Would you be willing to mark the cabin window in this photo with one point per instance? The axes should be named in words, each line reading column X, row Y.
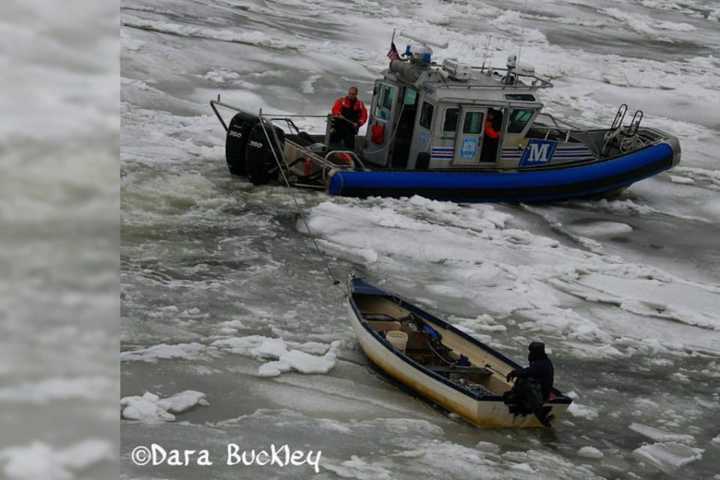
column 388, row 98
column 519, row 120
column 473, row 122
column 525, row 97
column 451, row 120
column 386, row 101
column 410, row 96
column 426, row 114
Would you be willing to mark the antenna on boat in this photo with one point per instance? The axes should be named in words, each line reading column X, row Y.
column 486, row 55
column 522, row 34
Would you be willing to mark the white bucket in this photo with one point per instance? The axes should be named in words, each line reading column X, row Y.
column 397, row 339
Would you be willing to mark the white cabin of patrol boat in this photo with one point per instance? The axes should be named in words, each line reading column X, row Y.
column 426, row 116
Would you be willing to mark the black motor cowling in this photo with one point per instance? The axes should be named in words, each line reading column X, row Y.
column 261, row 165
column 236, row 141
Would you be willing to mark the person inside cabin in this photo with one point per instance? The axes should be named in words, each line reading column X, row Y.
column 533, row 384
column 492, row 136
column 349, row 114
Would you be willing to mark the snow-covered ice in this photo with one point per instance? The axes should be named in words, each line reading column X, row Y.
column 150, row 408
column 41, row 461
column 186, row 351
column 56, row 389
column 668, row 456
column 582, row 411
column 590, row 452
column 661, row 435
column 285, row 360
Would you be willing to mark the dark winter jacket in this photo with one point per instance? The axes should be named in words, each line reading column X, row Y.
column 541, row 370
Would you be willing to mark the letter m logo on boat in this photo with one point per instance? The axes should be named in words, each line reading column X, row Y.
column 538, row 152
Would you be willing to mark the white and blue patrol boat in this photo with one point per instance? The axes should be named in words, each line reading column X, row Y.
column 430, row 132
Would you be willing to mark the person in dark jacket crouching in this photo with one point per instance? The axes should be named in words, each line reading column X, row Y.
column 533, row 385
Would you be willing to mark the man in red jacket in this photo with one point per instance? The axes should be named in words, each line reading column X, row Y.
column 492, row 136
column 349, row 114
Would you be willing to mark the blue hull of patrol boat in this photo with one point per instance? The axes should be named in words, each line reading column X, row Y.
column 541, row 185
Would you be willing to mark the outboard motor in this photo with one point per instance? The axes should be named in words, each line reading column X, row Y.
column 261, row 164
column 236, row 140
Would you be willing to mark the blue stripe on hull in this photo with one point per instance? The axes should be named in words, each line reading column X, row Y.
column 528, row 186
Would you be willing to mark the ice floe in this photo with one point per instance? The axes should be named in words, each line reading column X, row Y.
column 230, row 327
column 658, row 435
column 681, row 180
column 54, row 389
column 226, row 35
column 475, row 249
column 590, row 452
column 646, row 25
column 582, row 411
column 449, row 460
column 668, row 456
column 307, row 357
column 698, row 174
column 284, row 359
column 488, row 447
column 185, row 351
column 602, row 229
column 308, row 86
column 360, row 469
column 314, row 348
column 151, row 408
column 41, row 461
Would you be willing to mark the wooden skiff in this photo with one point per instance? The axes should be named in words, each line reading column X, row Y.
column 429, row 366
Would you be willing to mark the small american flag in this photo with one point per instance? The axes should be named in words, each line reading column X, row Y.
column 393, row 52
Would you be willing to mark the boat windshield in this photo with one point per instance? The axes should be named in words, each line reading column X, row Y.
column 519, row 119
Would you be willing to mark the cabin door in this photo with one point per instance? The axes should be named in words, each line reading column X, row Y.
column 380, row 125
column 400, row 150
column 469, row 138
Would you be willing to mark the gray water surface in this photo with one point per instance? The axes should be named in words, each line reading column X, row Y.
column 619, row 290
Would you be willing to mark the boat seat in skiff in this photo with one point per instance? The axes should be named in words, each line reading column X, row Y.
column 384, row 326
column 482, row 371
column 399, row 316
column 477, row 376
column 378, row 317
column 416, row 340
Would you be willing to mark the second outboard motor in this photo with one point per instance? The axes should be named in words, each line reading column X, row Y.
column 262, row 167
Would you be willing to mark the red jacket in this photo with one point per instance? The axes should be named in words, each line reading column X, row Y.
column 490, row 130
column 357, row 113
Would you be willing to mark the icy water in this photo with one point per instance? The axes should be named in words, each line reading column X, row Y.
column 219, row 279
column 59, row 231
